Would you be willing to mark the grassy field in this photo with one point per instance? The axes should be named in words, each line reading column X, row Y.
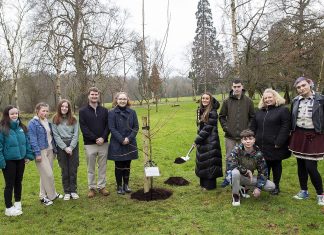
column 188, row 211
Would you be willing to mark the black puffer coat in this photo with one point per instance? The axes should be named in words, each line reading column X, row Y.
column 208, row 155
column 271, row 127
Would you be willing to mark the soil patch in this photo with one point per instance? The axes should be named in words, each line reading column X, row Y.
column 153, row 195
column 179, row 181
column 179, row 160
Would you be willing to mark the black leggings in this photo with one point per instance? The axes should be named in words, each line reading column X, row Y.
column 13, row 175
column 276, row 167
column 122, row 171
column 309, row 167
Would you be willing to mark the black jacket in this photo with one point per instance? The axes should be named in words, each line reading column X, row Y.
column 317, row 113
column 272, row 127
column 93, row 124
column 122, row 124
column 208, row 155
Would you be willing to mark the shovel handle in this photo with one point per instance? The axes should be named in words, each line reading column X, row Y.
column 190, row 150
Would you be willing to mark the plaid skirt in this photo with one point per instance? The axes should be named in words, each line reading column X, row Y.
column 307, row 144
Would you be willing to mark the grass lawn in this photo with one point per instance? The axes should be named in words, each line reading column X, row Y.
column 188, row 211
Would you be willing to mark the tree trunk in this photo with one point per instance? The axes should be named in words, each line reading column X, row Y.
column 146, row 151
column 234, row 39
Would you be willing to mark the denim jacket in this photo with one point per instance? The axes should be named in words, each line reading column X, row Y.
column 38, row 137
column 317, row 113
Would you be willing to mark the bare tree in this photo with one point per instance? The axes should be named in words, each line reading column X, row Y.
column 15, row 38
column 87, row 23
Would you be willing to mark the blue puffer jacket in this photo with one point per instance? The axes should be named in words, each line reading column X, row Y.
column 38, row 137
column 14, row 145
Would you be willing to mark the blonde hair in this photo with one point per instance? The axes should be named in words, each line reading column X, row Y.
column 278, row 99
column 114, row 103
column 40, row 105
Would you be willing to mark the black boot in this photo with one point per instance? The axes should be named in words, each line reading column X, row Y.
column 127, row 188
column 126, row 174
column 276, row 191
column 120, row 190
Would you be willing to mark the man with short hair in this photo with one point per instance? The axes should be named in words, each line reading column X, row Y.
column 94, row 126
column 243, row 161
column 235, row 116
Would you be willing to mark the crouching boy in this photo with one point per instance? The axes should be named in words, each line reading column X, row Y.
column 244, row 160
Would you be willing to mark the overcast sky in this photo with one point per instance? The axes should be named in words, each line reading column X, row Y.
column 182, row 25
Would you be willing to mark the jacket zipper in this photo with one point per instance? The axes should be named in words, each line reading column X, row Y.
column 263, row 126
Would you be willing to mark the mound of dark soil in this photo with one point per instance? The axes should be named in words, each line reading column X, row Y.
column 153, row 195
column 179, row 181
column 179, row 160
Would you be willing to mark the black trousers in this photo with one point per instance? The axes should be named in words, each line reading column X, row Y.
column 13, row 175
column 208, row 184
column 276, row 167
column 122, row 172
column 69, row 168
column 309, row 167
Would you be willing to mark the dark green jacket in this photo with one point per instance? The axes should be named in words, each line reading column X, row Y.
column 14, row 145
column 236, row 115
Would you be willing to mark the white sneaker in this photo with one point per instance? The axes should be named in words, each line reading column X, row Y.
column 236, row 200
column 17, row 205
column 46, row 201
column 66, row 197
column 320, row 200
column 59, row 196
column 12, row 211
column 75, row 196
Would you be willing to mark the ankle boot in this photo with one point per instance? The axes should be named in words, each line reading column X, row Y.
column 120, row 190
column 276, row 191
column 127, row 188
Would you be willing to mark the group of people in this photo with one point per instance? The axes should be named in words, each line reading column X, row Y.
column 44, row 139
column 260, row 140
column 254, row 141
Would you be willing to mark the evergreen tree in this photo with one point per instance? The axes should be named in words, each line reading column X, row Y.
column 207, row 52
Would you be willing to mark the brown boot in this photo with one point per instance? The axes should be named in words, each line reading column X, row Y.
column 91, row 193
column 104, row 191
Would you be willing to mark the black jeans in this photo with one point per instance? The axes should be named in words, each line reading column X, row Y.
column 13, row 175
column 122, row 171
column 309, row 167
column 276, row 167
column 69, row 168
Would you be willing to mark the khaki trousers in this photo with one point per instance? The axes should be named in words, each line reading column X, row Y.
column 45, row 169
column 96, row 154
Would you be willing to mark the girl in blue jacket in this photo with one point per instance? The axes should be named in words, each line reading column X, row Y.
column 15, row 151
column 123, row 126
column 43, row 144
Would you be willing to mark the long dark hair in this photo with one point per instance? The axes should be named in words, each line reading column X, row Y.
column 5, row 120
column 205, row 110
column 58, row 117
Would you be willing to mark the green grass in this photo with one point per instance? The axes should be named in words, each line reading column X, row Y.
column 188, row 211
